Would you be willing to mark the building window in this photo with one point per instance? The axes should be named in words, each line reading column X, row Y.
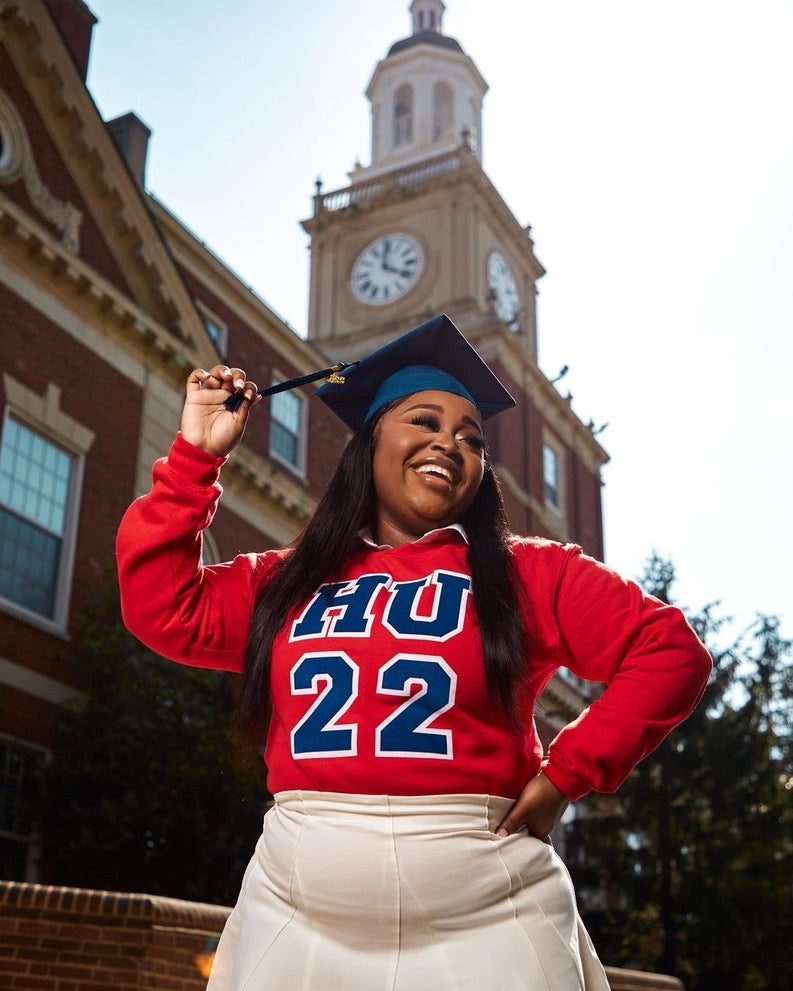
column 287, row 417
column 442, row 111
column 403, row 116
column 219, row 335
column 36, row 486
column 20, row 770
column 216, row 328
column 551, row 477
column 42, row 453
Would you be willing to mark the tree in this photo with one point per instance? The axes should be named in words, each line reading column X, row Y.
column 147, row 791
column 688, row 871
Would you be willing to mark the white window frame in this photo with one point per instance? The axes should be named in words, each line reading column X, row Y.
column 300, row 468
column 548, row 444
column 222, row 342
column 43, row 415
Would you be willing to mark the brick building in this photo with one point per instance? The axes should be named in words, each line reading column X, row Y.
column 107, row 301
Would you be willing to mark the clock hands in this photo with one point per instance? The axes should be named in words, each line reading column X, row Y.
column 386, row 252
column 404, row 272
column 386, row 269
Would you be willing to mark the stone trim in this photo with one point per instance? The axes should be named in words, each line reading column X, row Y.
column 18, row 161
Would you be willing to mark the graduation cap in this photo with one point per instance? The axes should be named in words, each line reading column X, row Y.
column 434, row 355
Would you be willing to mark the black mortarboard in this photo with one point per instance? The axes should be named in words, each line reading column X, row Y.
column 432, row 356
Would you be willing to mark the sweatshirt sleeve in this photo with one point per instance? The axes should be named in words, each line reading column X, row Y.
column 654, row 666
column 187, row 612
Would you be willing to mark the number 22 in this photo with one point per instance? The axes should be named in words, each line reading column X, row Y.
column 405, row 733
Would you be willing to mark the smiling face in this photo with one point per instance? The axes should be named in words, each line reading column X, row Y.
column 428, row 463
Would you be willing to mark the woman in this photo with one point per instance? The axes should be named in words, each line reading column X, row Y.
column 395, row 655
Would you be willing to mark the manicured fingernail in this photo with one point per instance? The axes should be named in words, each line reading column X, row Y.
column 502, row 832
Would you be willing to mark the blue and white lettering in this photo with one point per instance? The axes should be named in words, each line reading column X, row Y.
column 319, row 733
column 340, row 609
column 447, row 615
column 406, row 732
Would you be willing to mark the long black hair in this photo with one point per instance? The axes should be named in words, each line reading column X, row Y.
column 329, row 541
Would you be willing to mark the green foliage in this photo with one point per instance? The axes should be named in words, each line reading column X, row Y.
column 147, row 791
column 688, row 870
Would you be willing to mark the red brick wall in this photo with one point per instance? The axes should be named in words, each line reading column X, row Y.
column 69, row 939
column 516, row 439
column 28, row 718
column 37, row 352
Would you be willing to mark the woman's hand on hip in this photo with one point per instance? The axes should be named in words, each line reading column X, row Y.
column 539, row 807
column 206, row 423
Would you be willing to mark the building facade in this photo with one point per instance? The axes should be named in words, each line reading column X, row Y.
column 107, row 301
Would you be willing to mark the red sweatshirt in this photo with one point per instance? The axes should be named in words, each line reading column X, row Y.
column 378, row 683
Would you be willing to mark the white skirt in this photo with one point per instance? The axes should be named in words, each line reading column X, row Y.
column 382, row 893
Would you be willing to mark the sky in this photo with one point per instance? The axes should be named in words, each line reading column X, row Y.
column 648, row 144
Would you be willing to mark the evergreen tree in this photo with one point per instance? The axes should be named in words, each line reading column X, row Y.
column 147, row 791
column 688, row 869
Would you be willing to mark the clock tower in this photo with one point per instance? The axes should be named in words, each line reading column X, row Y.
column 422, row 230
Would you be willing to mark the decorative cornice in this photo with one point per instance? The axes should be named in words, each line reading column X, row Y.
column 18, row 161
column 81, row 136
column 417, row 179
column 562, row 699
column 400, row 59
column 35, row 249
column 273, row 482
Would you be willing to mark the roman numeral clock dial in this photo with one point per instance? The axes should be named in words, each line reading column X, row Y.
column 386, row 269
column 503, row 286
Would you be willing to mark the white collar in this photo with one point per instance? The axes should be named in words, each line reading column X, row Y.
column 430, row 537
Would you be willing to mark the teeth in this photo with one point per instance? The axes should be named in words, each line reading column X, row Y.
column 435, row 470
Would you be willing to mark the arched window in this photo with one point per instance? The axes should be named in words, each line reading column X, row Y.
column 403, row 116
column 442, row 110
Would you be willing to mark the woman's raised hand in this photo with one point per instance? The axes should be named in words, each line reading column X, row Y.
column 206, row 423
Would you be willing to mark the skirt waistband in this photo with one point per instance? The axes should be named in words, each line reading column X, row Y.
column 320, row 802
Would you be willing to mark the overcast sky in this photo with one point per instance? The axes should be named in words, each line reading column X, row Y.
column 650, row 146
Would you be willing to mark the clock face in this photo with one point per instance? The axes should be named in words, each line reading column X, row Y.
column 504, row 287
column 386, row 269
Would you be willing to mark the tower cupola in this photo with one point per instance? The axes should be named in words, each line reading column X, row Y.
column 425, row 95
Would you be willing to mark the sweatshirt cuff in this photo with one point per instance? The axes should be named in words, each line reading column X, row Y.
column 569, row 784
column 197, row 466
